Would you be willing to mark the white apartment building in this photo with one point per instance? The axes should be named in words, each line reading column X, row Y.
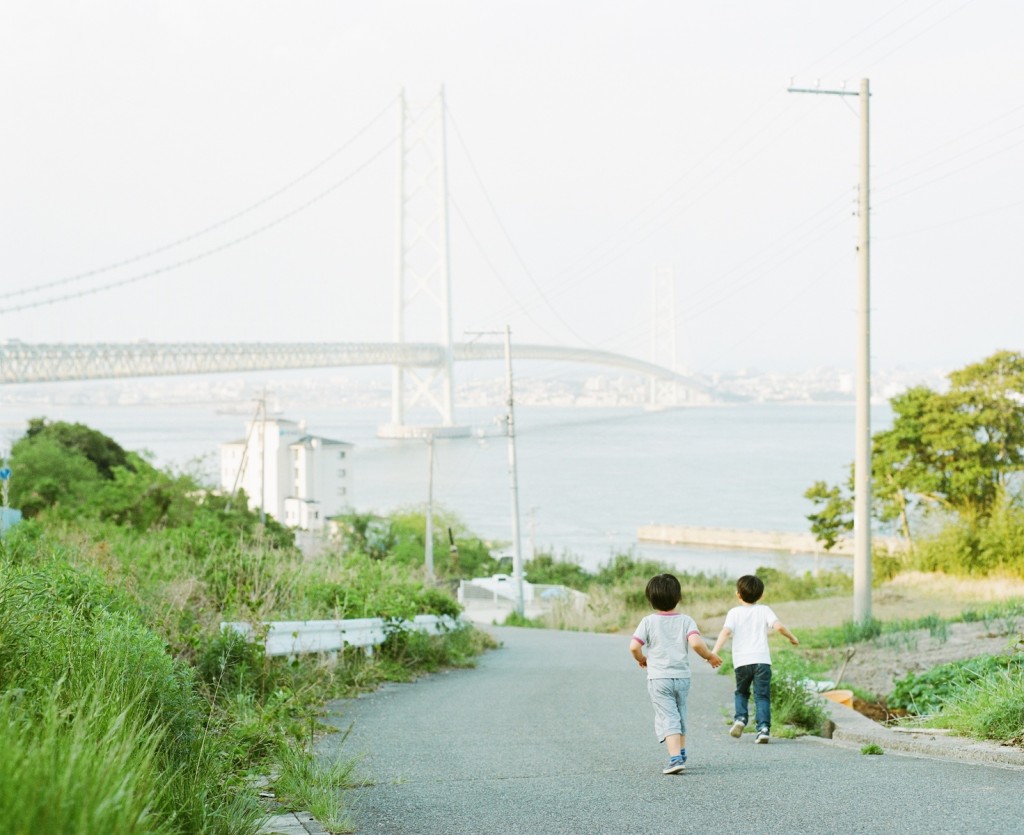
column 299, row 479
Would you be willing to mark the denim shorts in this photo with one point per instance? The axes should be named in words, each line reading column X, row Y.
column 668, row 695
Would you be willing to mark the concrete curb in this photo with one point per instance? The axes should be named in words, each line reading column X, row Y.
column 852, row 727
column 293, row 823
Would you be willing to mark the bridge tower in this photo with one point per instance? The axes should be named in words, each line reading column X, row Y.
column 422, row 284
column 664, row 393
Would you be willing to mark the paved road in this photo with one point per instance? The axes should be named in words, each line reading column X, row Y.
column 553, row 733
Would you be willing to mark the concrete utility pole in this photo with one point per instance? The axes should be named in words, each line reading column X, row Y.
column 517, row 549
column 862, row 439
column 510, row 430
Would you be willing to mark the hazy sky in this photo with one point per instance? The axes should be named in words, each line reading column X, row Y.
column 588, row 141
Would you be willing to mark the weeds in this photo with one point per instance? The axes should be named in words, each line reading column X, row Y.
column 310, row 784
column 933, row 691
column 989, row 707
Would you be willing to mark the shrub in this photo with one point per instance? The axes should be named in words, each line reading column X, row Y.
column 792, row 703
column 931, row 691
column 547, row 569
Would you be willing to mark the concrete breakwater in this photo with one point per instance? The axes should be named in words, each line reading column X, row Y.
column 793, row 543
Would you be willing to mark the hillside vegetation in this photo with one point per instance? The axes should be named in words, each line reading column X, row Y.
column 123, row 708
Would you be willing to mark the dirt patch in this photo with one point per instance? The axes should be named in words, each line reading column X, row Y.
column 876, row 710
column 875, row 665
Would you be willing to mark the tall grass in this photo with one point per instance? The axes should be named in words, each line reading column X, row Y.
column 78, row 766
column 988, row 708
column 121, row 731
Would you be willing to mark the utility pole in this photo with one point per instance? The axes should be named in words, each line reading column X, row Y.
column 517, row 549
column 862, row 438
column 510, row 431
column 263, row 458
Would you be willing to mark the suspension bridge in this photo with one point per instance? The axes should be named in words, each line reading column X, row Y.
column 422, row 370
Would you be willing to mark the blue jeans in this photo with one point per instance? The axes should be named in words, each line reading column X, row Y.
column 760, row 676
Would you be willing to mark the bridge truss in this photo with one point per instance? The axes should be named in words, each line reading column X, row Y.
column 22, row 362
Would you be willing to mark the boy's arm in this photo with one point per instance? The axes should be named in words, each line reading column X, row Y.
column 780, row 627
column 697, row 642
column 636, row 650
column 723, row 636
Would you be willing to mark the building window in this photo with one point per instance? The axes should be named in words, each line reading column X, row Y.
column 342, row 491
column 296, row 473
column 341, row 473
column 341, row 455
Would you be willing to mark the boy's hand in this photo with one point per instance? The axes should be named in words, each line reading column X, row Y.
column 795, row 641
column 642, row 661
column 714, row 661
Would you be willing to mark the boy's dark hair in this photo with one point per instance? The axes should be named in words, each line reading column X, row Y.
column 750, row 588
column 664, row 592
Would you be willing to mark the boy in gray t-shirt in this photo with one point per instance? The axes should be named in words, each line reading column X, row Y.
column 661, row 645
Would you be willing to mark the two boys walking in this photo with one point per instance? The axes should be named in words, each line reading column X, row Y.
column 661, row 643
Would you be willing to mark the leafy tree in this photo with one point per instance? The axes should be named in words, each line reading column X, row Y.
column 835, row 516
column 367, row 533
column 545, row 568
column 71, row 469
column 959, row 451
column 105, row 453
column 46, row 474
column 401, row 539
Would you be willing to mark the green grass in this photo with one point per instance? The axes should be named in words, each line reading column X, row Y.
column 872, row 748
column 78, row 767
column 187, row 714
column 976, row 682
column 989, row 708
column 306, row 783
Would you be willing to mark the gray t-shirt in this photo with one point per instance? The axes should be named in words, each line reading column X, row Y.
column 665, row 635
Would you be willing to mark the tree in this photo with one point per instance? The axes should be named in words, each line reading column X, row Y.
column 46, row 474
column 835, row 517
column 105, row 453
column 958, row 450
column 74, row 469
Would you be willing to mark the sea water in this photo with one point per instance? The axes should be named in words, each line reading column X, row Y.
column 587, row 477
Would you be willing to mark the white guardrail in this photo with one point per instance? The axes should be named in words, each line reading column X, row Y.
column 294, row 637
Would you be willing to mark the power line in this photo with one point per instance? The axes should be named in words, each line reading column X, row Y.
column 504, row 231
column 205, row 253
column 207, row 229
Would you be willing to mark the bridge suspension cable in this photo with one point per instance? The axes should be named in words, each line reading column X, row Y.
column 38, row 288
column 207, row 252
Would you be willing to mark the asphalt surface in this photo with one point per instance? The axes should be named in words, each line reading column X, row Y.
column 553, row 733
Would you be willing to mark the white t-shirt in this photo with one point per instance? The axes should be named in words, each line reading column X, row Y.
column 750, row 626
column 666, row 636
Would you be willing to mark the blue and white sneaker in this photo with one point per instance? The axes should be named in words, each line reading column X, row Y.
column 675, row 765
column 762, row 737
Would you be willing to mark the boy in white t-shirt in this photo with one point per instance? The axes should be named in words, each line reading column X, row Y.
column 661, row 645
column 749, row 626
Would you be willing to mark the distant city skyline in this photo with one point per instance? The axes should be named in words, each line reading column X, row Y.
column 226, row 172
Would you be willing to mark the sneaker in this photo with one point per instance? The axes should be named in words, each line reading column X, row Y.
column 737, row 729
column 761, row 738
column 675, row 765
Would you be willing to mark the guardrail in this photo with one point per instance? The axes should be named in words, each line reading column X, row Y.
column 295, row 637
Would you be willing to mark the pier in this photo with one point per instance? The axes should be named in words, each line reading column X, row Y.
column 792, row 543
